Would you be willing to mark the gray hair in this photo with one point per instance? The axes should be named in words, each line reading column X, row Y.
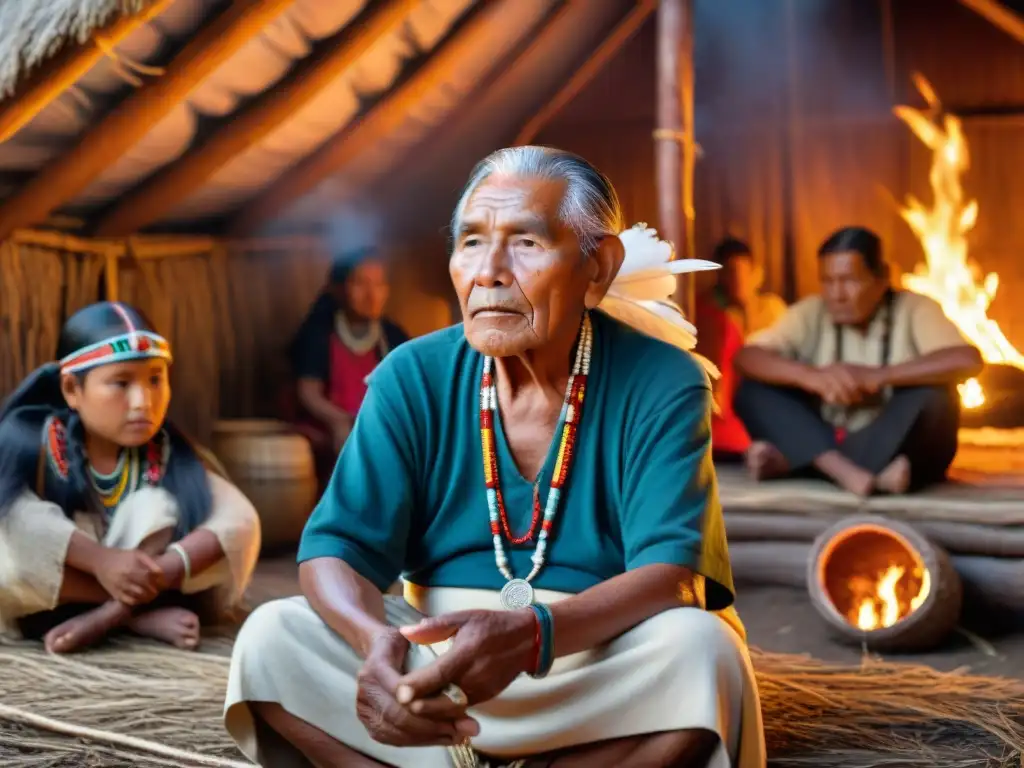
column 590, row 206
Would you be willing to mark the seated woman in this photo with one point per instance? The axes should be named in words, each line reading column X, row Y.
column 719, row 341
column 739, row 289
column 109, row 517
column 343, row 338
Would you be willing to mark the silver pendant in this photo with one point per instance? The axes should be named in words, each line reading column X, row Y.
column 516, row 594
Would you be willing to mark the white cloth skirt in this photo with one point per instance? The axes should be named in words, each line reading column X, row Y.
column 682, row 669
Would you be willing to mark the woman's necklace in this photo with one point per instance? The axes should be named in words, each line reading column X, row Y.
column 358, row 344
column 518, row 593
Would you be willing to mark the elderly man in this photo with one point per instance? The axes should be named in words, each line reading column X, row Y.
column 857, row 384
column 541, row 478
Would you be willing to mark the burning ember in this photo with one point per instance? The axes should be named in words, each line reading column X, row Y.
column 884, row 600
column 948, row 276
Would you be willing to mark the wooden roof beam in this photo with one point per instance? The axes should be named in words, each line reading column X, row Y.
column 53, row 78
column 604, row 53
column 998, row 14
column 67, row 175
column 256, row 120
column 360, row 134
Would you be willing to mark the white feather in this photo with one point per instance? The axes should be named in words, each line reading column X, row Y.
column 641, row 292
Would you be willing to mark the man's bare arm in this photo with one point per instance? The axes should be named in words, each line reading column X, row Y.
column 945, row 366
column 348, row 603
column 763, row 364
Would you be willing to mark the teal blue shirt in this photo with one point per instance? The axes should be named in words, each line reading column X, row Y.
column 407, row 496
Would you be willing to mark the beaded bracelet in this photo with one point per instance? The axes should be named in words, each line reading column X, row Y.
column 545, row 640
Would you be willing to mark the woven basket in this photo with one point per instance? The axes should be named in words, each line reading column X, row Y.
column 274, row 467
column 858, row 549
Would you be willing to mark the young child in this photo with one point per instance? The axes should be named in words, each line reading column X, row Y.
column 109, row 517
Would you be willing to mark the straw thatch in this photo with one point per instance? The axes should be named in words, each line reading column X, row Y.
column 32, row 31
column 77, row 711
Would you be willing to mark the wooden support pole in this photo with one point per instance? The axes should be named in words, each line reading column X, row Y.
column 67, row 175
column 619, row 36
column 251, row 123
column 54, row 77
column 359, row 135
column 110, row 275
column 675, row 150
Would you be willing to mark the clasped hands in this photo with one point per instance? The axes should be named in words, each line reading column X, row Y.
column 846, row 384
column 489, row 650
column 132, row 577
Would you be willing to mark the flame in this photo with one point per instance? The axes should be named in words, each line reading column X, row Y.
column 885, row 606
column 948, row 276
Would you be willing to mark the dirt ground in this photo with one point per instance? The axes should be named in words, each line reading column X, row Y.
column 782, row 620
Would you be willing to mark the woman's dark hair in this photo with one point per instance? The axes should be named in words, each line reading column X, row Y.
column 729, row 248
column 859, row 240
column 25, row 413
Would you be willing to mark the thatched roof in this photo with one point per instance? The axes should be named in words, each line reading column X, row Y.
column 31, row 31
column 186, row 114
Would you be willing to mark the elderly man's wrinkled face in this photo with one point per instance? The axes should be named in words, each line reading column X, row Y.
column 521, row 278
column 851, row 291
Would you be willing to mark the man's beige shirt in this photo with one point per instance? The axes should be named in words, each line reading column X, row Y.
column 805, row 333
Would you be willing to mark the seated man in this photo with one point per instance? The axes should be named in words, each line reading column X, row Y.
column 857, row 384
column 541, row 477
column 739, row 288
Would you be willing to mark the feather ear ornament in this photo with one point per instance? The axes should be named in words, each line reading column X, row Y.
column 641, row 294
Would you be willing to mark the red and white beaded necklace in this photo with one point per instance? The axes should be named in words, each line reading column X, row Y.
column 518, row 593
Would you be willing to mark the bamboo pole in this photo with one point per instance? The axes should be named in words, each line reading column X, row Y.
column 52, row 79
column 70, row 173
column 359, row 135
column 675, row 149
column 619, row 36
column 254, row 121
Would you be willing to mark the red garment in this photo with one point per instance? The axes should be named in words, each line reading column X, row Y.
column 347, row 384
column 719, row 339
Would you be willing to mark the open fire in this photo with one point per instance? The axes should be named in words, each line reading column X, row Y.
column 947, row 275
column 887, row 597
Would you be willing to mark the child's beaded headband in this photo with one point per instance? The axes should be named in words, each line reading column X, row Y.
column 131, row 345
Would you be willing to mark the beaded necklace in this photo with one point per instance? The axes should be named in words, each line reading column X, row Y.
column 128, row 476
column 518, row 593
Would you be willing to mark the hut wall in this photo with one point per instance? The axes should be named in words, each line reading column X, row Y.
column 797, row 137
column 229, row 309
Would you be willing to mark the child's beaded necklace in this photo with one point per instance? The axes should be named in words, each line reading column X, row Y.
column 517, row 592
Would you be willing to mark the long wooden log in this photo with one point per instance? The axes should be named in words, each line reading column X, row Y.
column 619, row 36
column 52, row 79
column 359, row 135
column 960, row 538
column 996, row 583
column 67, row 175
column 674, row 146
column 251, row 123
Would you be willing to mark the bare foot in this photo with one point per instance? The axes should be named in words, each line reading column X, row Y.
column 844, row 473
column 175, row 626
column 764, row 461
column 895, row 478
column 86, row 629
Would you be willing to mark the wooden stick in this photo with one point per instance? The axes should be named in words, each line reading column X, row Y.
column 254, row 121
column 14, row 714
column 618, row 37
column 999, row 15
column 67, row 175
column 673, row 138
column 110, row 275
column 359, row 135
column 52, row 79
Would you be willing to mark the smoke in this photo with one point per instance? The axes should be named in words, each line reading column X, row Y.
column 764, row 57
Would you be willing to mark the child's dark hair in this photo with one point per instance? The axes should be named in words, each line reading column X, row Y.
column 730, row 248
column 25, row 413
